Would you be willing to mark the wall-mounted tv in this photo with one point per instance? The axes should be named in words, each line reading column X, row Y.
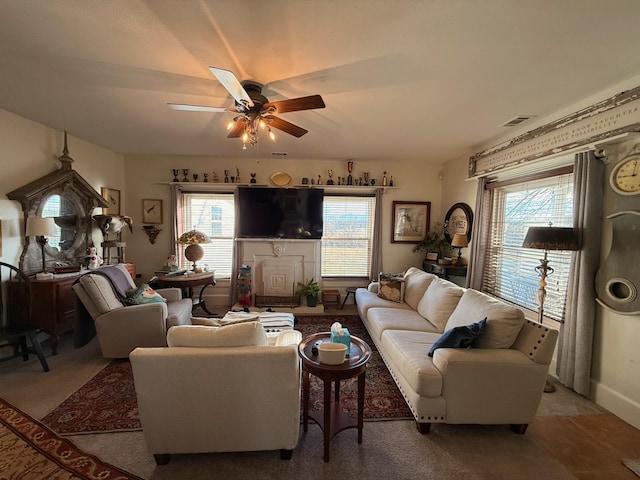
column 266, row 212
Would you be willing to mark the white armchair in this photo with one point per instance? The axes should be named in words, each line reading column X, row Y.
column 219, row 390
column 119, row 328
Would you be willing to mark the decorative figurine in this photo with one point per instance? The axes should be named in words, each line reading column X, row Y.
column 319, row 182
column 253, row 177
column 215, row 177
column 366, row 178
column 185, row 172
column 350, row 168
column 330, row 180
column 206, row 177
column 384, row 179
column 195, row 177
column 226, row 176
column 175, row 172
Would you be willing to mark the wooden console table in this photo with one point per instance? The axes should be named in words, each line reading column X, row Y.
column 444, row 271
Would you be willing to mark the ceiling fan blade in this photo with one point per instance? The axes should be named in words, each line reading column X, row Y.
column 285, row 126
column 296, row 104
column 238, row 128
column 231, row 83
column 200, row 108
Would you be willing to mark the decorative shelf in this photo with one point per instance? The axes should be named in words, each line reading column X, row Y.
column 207, row 186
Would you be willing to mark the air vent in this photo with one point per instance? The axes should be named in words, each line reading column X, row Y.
column 517, row 120
column 279, row 154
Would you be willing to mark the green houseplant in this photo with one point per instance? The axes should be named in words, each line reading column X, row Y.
column 310, row 289
column 434, row 242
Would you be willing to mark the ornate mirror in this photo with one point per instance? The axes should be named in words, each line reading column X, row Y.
column 459, row 219
column 70, row 200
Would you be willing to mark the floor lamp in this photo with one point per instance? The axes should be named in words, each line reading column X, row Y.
column 41, row 228
column 548, row 238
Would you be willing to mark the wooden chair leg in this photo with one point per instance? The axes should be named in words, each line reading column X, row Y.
column 162, row 458
column 286, row 454
column 38, row 351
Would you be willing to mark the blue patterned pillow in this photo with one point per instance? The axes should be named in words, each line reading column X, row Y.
column 459, row 337
column 143, row 294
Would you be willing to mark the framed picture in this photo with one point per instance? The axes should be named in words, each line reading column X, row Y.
column 432, row 256
column 410, row 221
column 151, row 210
column 112, row 196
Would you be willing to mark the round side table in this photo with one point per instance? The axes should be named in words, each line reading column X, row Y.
column 332, row 419
column 187, row 282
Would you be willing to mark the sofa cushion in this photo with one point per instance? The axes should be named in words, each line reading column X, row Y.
column 416, row 282
column 143, row 294
column 100, row 292
column 240, row 335
column 366, row 300
column 439, row 301
column 405, row 353
column 391, row 286
column 381, row 319
column 503, row 321
column 459, row 337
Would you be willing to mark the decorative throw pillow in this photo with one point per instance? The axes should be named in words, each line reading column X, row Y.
column 391, row 286
column 143, row 294
column 459, row 337
column 238, row 335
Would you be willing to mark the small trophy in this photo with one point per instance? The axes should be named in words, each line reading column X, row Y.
column 175, row 172
column 330, row 180
column 185, row 172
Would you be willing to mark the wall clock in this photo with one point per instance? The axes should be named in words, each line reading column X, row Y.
column 625, row 176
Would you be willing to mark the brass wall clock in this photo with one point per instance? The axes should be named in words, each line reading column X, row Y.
column 625, row 176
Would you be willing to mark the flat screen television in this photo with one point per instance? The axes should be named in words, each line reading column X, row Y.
column 280, row 212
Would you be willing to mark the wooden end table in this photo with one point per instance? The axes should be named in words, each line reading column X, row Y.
column 186, row 283
column 332, row 419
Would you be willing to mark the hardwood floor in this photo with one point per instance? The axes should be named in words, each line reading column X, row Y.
column 590, row 446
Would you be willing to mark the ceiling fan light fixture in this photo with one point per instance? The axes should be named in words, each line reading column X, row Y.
column 272, row 135
column 231, row 124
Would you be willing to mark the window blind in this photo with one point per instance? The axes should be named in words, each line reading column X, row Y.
column 509, row 268
column 213, row 214
column 347, row 237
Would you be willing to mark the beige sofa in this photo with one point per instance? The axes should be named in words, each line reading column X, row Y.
column 121, row 328
column 219, row 390
column 500, row 381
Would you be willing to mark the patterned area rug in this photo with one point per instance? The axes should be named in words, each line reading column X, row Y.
column 107, row 402
column 30, row 450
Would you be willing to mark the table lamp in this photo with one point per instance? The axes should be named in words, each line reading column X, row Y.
column 193, row 239
column 41, row 228
column 459, row 241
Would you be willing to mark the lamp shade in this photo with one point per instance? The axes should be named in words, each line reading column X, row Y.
column 193, row 237
column 41, row 227
column 459, row 240
column 551, row 238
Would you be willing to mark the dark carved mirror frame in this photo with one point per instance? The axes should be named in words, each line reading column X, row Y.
column 459, row 219
column 32, row 197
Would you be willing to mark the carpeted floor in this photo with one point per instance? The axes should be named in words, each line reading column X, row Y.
column 107, row 403
column 29, row 450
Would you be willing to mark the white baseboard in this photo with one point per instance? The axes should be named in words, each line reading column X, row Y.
column 618, row 404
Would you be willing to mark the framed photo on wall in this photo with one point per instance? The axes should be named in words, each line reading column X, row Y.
column 151, row 210
column 112, row 196
column 410, row 221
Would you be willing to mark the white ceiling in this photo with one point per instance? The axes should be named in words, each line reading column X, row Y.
column 417, row 79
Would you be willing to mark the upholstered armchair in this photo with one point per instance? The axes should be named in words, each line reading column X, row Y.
column 120, row 329
column 219, row 390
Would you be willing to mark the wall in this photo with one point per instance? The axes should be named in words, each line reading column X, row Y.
column 147, row 176
column 616, row 358
column 30, row 150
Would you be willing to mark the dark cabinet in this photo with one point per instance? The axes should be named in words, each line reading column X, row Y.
column 444, row 271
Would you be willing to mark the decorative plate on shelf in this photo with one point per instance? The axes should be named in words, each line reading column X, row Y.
column 280, row 179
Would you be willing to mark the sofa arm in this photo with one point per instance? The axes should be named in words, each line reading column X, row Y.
column 170, row 294
column 373, row 287
column 485, row 385
column 288, row 337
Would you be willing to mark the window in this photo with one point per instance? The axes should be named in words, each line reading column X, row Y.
column 347, row 236
column 213, row 214
column 509, row 268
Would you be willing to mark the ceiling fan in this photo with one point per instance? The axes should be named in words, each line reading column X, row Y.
column 254, row 109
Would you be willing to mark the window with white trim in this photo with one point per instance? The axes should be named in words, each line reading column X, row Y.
column 347, row 237
column 213, row 214
column 509, row 268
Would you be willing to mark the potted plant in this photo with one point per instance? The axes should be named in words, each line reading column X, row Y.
column 434, row 242
column 310, row 289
